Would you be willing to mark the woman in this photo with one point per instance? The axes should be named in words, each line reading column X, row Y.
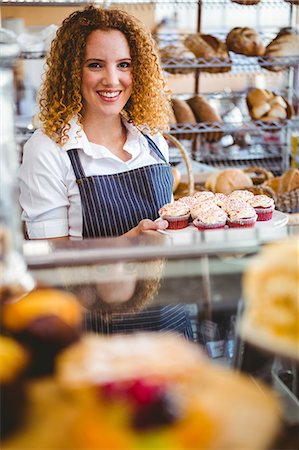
column 98, row 166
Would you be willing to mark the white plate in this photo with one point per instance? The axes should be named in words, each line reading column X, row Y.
column 267, row 230
column 278, row 220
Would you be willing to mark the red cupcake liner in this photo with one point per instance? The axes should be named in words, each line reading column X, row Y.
column 264, row 214
column 201, row 226
column 177, row 223
column 241, row 223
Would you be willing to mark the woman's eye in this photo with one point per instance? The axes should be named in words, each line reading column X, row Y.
column 94, row 65
column 125, row 65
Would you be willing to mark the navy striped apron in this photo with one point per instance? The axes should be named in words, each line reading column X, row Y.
column 114, row 204
column 165, row 319
column 111, row 206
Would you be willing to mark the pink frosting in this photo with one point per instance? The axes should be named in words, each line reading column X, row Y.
column 261, row 201
column 239, row 210
column 241, row 195
column 174, row 209
column 212, row 215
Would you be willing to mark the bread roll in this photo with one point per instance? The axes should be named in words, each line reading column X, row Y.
column 245, row 41
column 182, row 111
column 289, row 181
column 207, row 46
column 277, row 112
column 228, row 180
column 259, row 111
column 286, row 43
column 204, row 112
column 176, row 52
column 278, row 100
column 257, row 96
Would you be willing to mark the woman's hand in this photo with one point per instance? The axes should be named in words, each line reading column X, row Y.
column 147, row 225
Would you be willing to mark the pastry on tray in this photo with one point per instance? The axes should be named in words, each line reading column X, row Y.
column 209, row 47
column 45, row 320
column 228, row 180
column 204, row 112
column 265, row 105
column 176, row 214
column 177, row 52
column 263, row 206
column 285, row 44
column 270, row 290
column 245, row 41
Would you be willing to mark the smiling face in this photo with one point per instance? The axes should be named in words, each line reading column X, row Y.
column 107, row 74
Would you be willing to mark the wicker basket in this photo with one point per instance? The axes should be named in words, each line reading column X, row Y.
column 184, row 188
column 287, row 202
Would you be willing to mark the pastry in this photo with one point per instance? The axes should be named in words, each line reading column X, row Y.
column 246, row 2
column 245, row 41
column 152, row 390
column 270, row 291
column 285, row 44
column 210, row 219
column 14, row 360
column 209, row 47
column 227, row 181
column 289, row 181
column 204, row 112
column 176, row 214
column 182, row 111
column 241, row 194
column 176, row 52
column 263, row 206
column 267, row 106
column 46, row 320
column 239, row 214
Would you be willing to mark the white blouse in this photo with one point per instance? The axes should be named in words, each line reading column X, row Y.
column 49, row 194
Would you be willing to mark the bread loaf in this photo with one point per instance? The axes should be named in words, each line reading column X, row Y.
column 245, row 41
column 228, row 180
column 289, row 181
column 286, row 43
column 204, row 112
column 207, row 46
column 176, row 52
column 266, row 106
column 182, row 111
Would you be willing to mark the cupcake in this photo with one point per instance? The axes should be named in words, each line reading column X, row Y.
column 220, row 198
column 240, row 214
column 204, row 195
column 198, row 208
column 176, row 214
column 241, row 194
column 210, row 219
column 13, row 362
column 263, row 206
column 45, row 321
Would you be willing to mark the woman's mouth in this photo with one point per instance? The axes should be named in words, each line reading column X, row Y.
column 109, row 95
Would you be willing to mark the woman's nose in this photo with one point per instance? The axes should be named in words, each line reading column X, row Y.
column 110, row 76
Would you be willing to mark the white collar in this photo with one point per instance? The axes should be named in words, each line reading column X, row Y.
column 78, row 139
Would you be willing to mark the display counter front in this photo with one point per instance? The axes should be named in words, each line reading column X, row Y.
column 163, row 313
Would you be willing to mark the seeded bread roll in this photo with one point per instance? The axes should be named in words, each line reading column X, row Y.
column 207, row 46
column 245, row 41
column 204, row 112
column 228, row 180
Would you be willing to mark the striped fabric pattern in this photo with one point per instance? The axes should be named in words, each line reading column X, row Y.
column 114, row 204
column 166, row 319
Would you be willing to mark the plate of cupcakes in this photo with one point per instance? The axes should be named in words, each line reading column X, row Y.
column 206, row 211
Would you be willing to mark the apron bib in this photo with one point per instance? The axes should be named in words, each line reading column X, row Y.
column 114, row 204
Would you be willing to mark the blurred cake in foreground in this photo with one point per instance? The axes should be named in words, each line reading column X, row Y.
column 145, row 391
column 271, row 294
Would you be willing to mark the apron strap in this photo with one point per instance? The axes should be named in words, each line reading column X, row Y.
column 76, row 163
column 155, row 148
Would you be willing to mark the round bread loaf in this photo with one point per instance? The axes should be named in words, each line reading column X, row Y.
column 207, row 46
column 204, row 112
column 245, row 41
column 178, row 53
column 286, row 43
column 228, row 180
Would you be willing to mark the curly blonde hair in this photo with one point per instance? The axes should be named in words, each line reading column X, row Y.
column 60, row 95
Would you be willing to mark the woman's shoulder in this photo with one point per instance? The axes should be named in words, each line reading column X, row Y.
column 38, row 138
